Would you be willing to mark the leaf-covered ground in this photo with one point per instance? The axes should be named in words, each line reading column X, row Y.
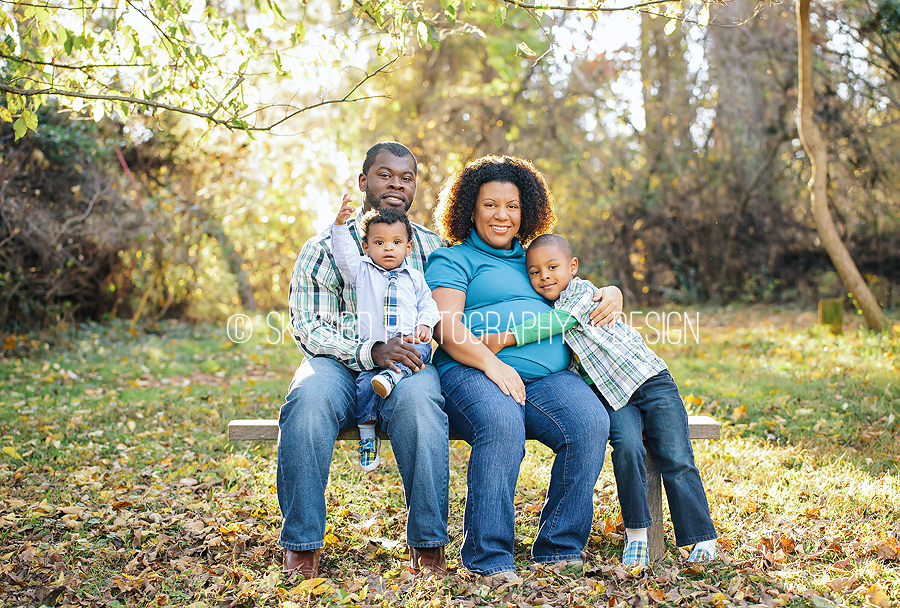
column 121, row 489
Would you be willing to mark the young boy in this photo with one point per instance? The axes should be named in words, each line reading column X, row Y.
column 391, row 298
column 639, row 394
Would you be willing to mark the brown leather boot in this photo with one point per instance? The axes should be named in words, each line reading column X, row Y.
column 428, row 558
column 307, row 562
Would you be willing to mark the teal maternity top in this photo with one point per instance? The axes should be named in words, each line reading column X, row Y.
column 498, row 297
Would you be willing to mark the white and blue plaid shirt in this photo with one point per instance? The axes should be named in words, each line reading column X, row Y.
column 616, row 359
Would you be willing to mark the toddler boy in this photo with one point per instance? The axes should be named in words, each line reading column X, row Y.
column 392, row 298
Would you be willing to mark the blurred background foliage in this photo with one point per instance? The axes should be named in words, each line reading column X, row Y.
column 674, row 159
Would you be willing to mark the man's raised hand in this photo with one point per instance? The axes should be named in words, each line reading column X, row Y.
column 346, row 210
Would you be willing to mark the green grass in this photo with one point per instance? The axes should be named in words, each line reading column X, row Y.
column 120, row 487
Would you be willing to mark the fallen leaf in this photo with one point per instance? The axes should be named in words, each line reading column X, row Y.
column 787, row 544
column 875, row 595
column 889, row 549
column 49, row 596
column 316, row 586
column 656, row 595
column 11, row 452
column 840, row 584
column 812, row 513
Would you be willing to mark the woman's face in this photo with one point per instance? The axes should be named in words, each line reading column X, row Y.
column 498, row 214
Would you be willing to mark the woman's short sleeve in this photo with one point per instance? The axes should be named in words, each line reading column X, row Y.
column 447, row 267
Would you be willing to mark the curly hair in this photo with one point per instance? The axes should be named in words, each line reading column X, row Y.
column 385, row 215
column 459, row 194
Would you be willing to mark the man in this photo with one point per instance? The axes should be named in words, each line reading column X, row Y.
column 322, row 395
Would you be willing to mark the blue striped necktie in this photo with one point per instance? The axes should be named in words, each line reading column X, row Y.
column 391, row 312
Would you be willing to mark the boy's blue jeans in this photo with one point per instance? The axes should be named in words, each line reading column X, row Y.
column 367, row 402
column 656, row 411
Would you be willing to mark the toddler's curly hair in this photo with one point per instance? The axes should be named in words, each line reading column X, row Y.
column 385, row 215
column 454, row 214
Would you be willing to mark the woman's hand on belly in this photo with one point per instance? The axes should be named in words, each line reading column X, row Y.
column 507, row 379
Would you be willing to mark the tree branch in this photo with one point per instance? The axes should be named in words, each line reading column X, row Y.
column 590, row 9
column 344, row 99
column 59, row 7
column 229, row 123
column 74, row 67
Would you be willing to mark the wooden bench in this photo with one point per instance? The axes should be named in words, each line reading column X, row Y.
column 701, row 427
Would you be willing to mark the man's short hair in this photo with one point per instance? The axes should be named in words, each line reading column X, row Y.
column 385, row 215
column 395, row 148
column 557, row 240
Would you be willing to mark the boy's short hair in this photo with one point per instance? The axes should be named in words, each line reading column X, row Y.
column 385, row 215
column 557, row 240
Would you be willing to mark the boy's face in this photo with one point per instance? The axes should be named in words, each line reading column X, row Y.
column 550, row 270
column 387, row 244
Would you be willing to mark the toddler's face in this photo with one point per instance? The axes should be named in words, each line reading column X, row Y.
column 387, row 244
column 550, row 270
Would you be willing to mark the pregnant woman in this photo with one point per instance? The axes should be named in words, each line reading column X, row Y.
column 488, row 211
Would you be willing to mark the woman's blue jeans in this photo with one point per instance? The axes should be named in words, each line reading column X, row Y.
column 561, row 412
column 656, row 411
column 320, row 403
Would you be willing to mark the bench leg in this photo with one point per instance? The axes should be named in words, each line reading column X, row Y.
column 654, row 501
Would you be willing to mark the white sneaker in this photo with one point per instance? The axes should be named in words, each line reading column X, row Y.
column 382, row 384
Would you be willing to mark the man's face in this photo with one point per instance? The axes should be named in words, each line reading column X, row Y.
column 387, row 244
column 550, row 270
column 391, row 182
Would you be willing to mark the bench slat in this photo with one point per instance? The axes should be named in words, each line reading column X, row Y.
column 701, row 427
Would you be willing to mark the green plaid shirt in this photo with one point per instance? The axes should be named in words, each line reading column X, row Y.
column 616, row 359
column 323, row 305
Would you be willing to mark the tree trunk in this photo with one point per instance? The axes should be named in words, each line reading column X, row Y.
column 818, row 156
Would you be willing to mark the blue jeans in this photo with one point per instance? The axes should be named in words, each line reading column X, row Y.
column 367, row 400
column 320, row 403
column 561, row 412
column 656, row 411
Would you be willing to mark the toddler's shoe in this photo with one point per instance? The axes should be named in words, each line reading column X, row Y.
column 383, row 384
column 636, row 553
column 369, row 458
column 701, row 554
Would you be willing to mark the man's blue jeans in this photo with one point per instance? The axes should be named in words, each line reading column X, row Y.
column 320, row 403
column 561, row 412
column 656, row 411
column 367, row 400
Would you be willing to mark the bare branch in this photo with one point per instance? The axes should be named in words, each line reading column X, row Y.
column 74, row 67
column 224, row 97
column 233, row 123
column 640, row 7
column 84, row 7
column 583, row 9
